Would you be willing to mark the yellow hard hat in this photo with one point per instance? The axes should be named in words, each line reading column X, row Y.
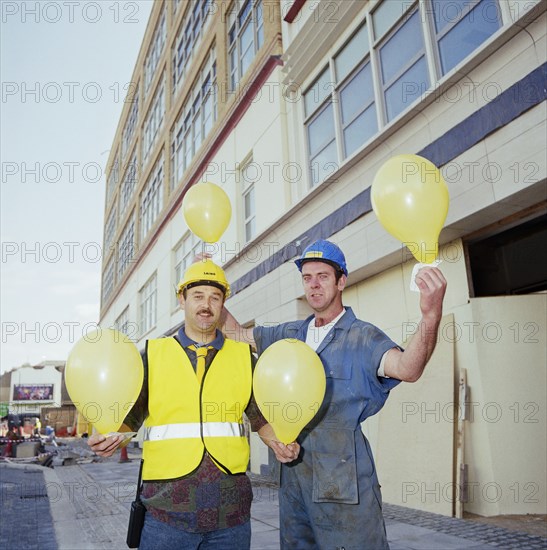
column 204, row 273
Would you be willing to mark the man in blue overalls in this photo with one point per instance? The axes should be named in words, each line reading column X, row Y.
column 330, row 497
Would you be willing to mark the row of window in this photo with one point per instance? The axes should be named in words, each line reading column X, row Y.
column 154, row 52
column 147, row 314
column 195, row 120
column 183, row 255
column 153, row 122
column 150, row 205
column 199, row 111
column 187, row 39
column 389, row 62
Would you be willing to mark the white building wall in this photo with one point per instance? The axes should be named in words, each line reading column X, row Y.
column 501, row 175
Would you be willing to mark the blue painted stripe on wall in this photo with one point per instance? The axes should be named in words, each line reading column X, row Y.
column 506, row 107
column 509, row 105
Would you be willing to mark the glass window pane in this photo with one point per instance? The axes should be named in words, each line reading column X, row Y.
column 387, row 13
column 259, row 25
column 360, row 130
column 318, row 92
column 449, row 12
column 479, row 24
column 249, row 203
column 250, row 229
column 407, row 88
column 321, row 130
column 357, row 94
column 401, row 48
column 245, row 11
column 247, row 49
column 353, row 53
column 324, row 164
column 246, row 37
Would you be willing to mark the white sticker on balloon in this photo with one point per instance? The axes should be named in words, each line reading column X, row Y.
column 417, row 267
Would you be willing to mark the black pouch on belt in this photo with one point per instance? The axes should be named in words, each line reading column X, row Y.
column 136, row 517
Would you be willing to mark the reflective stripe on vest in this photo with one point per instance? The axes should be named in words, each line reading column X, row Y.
column 187, row 419
column 189, row 429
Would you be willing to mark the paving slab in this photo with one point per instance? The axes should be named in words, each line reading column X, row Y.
column 86, row 507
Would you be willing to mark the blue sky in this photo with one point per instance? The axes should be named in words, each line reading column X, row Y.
column 64, row 66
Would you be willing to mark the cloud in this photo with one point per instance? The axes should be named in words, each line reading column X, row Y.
column 87, row 311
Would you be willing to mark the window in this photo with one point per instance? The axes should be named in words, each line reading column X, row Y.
column 110, row 229
column 245, row 37
column 109, row 280
column 147, row 305
column 129, row 184
column 183, row 256
column 153, row 122
column 126, row 246
column 152, row 198
column 195, row 120
column 384, row 68
column 154, row 52
column 113, row 178
column 461, row 27
column 130, row 125
column 124, row 325
column 249, row 207
column 190, row 31
column 508, row 263
column 320, row 129
column 403, row 65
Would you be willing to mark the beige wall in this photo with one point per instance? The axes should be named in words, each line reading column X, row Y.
column 503, row 346
column 501, row 342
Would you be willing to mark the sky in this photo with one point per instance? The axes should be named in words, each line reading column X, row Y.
column 64, row 68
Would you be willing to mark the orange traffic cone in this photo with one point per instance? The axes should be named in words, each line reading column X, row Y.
column 123, row 455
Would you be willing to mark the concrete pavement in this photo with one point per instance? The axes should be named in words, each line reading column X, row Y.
column 86, row 506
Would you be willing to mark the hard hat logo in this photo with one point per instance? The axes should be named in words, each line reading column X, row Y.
column 204, row 273
column 323, row 251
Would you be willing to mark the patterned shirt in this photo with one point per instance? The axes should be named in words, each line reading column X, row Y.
column 207, row 499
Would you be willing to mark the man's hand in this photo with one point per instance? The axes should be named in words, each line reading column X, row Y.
column 432, row 285
column 409, row 365
column 104, row 446
column 284, row 453
column 201, row 257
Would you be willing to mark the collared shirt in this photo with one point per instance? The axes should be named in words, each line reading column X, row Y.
column 207, row 499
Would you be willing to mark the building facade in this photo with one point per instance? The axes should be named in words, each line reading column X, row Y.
column 291, row 107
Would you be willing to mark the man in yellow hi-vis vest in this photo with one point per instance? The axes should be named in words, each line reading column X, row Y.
column 197, row 386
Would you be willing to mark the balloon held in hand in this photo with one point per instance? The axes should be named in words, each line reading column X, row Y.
column 103, row 376
column 207, row 211
column 289, row 386
column 410, row 198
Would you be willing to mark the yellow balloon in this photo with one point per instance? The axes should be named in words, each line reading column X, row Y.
column 103, row 376
column 289, row 386
column 410, row 198
column 207, row 211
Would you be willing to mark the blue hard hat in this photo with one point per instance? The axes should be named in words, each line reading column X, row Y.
column 323, row 251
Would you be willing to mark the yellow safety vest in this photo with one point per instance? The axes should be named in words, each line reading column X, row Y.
column 185, row 420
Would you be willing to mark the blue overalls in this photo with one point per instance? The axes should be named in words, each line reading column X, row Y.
column 330, row 497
